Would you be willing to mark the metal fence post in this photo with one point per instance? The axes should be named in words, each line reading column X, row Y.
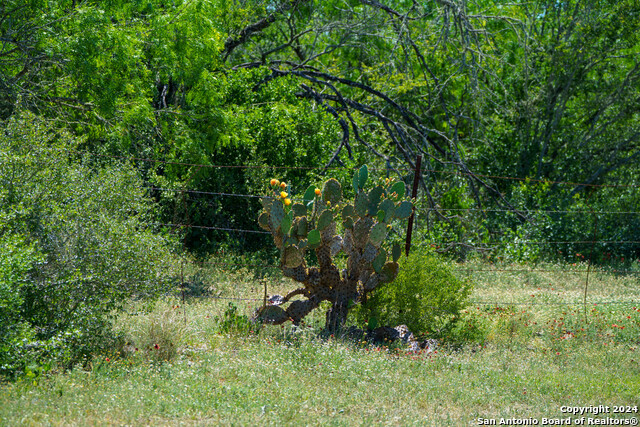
column 414, row 194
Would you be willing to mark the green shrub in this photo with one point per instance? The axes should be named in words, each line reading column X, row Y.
column 16, row 260
column 426, row 296
column 77, row 244
column 231, row 322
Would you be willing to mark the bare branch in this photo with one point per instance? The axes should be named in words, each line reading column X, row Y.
column 247, row 32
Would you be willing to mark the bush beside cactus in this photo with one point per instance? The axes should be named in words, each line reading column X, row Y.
column 325, row 223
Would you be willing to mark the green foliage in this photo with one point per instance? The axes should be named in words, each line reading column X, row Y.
column 580, row 227
column 426, row 296
column 231, row 322
column 539, row 90
column 77, row 244
column 195, row 286
column 17, row 261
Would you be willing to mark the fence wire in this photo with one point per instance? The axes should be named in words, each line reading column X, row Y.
column 425, row 171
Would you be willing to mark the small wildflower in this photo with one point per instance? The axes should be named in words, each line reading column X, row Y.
column 328, row 203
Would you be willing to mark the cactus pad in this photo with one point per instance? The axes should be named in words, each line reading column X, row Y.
column 267, row 202
column 263, row 221
column 277, row 239
column 313, row 238
column 272, row 314
column 332, row 192
column 299, row 273
column 309, row 195
column 301, row 225
column 378, row 233
column 374, row 199
column 362, row 203
column 404, row 210
column 369, row 253
column 389, row 209
column 396, row 251
column 347, row 241
column 361, row 231
column 348, row 211
column 277, row 214
column 372, row 282
column 389, row 272
column 379, row 261
column 398, row 188
column 286, row 223
column 328, row 233
column 347, row 223
column 298, row 309
column 363, row 174
column 335, row 245
column 299, row 209
column 313, row 276
column 292, row 256
column 325, row 219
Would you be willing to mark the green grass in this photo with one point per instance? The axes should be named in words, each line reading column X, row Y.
column 527, row 360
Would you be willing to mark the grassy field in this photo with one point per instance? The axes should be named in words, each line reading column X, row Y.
column 535, row 349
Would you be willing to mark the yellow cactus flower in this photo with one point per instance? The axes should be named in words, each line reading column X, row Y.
column 283, row 194
column 273, row 182
column 318, row 192
column 328, row 203
column 283, row 185
column 287, row 202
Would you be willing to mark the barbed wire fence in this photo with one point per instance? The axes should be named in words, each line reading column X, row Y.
column 258, row 269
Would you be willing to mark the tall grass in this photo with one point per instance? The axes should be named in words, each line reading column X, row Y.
column 526, row 360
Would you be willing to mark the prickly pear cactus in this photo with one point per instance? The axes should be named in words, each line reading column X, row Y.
column 323, row 222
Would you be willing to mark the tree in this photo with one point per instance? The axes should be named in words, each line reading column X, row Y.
column 543, row 90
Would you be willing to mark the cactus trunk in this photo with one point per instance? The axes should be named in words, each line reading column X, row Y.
column 336, row 317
